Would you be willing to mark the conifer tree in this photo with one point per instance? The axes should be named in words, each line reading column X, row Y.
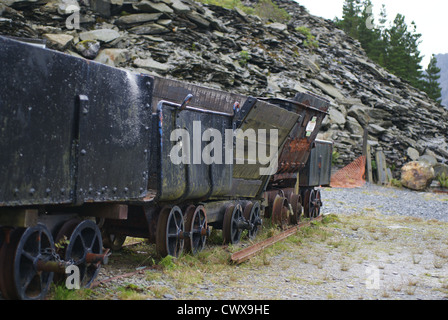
column 350, row 17
column 431, row 84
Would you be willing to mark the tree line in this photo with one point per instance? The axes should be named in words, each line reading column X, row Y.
column 394, row 47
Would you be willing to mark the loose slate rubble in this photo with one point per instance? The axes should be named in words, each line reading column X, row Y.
column 204, row 44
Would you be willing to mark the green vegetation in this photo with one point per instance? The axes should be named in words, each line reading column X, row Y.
column 268, row 10
column 431, row 85
column 443, row 180
column 310, row 41
column 229, row 4
column 334, row 157
column 394, row 47
column 265, row 9
column 244, row 58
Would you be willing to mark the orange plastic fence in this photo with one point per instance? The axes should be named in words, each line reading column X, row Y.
column 351, row 176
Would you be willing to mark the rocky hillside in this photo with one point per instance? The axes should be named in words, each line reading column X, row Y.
column 233, row 51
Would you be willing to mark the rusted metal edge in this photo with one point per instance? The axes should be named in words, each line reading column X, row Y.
column 249, row 252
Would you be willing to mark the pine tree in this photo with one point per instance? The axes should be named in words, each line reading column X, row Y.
column 350, row 17
column 369, row 36
column 402, row 55
column 431, row 84
column 395, row 48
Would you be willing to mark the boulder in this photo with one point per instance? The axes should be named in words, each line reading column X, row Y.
column 417, row 175
column 113, row 57
column 88, row 48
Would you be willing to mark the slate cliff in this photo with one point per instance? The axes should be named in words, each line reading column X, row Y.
column 233, row 51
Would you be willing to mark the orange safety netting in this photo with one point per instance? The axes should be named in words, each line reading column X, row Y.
column 351, row 176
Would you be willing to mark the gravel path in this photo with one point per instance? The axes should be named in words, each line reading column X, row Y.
column 388, row 201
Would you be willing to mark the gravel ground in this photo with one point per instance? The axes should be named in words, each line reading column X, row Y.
column 387, row 201
column 375, row 243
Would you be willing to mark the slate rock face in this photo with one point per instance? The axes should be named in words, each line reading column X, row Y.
column 236, row 52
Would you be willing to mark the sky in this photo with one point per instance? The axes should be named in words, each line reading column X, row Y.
column 430, row 16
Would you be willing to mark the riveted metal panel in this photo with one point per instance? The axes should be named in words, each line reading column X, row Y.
column 191, row 178
column 71, row 130
column 37, row 119
column 114, row 135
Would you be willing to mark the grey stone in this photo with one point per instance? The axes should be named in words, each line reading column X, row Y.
column 359, row 113
column 431, row 160
column 149, row 28
column 88, row 48
column 412, row 153
column 149, row 6
column 336, row 117
column 179, row 6
column 353, row 126
column 376, row 129
column 104, row 35
column 279, row 27
column 151, row 64
column 328, row 89
column 440, row 169
column 113, row 57
column 138, row 18
column 60, row 41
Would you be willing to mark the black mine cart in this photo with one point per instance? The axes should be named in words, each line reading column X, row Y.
column 91, row 154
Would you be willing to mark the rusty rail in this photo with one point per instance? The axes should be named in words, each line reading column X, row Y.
column 249, row 252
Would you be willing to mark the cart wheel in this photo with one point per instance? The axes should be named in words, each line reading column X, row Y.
column 280, row 212
column 231, row 225
column 317, row 203
column 20, row 278
column 113, row 241
column 196, row 226
column 307, row 204
column 294, row 200
column 252, row 215
column 84, row 248
column 170, row 229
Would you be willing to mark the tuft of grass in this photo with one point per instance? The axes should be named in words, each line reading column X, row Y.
column 311, row 43
column 229, row 4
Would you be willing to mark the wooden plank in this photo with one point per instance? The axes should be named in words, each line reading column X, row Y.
column 369, row 175
column 110, row 211
column 18, row 217
column 249, row 252
column 366, row 151
column 381, row 167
